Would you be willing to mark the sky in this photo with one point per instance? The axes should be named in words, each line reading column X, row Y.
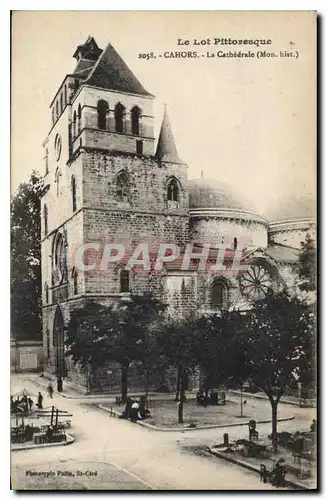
column 250, row 123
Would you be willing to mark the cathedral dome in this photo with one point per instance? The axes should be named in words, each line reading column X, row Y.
column 293, row 208
column 209, row 193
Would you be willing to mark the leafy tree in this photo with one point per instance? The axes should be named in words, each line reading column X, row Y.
column 26, row 284
column 137, row 316
column 177, row 342
column 307, row 265
column 278, row 335
column 219, row 356
column 98, row 334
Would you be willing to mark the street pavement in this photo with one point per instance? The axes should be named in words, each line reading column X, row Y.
column 113, row 454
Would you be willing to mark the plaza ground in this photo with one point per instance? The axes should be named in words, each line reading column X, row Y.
column 126, row 456
column 164, row 412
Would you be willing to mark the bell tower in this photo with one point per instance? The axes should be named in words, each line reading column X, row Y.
column 111, row 110
column 105, row 183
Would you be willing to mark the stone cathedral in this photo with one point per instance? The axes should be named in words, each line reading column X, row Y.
column 108, row 178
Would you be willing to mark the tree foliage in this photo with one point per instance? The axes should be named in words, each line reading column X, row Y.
column 219, row 355
column 98, row 334
column 278, row 336
column 26, row 288
column 307, row 265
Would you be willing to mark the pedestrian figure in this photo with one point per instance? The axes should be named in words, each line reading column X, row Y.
column 134, row 411
column 279, row 473
column 40, row 401
column 24, row 403
column 50, row 390
column 30, row 404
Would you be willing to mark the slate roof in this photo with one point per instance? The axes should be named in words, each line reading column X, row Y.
column 283, row 253
column 176, row 265
column 110, row 72
column 88, row 50
column 166, row 147
column 84, row 67
column 210, row 193
column 293, row 207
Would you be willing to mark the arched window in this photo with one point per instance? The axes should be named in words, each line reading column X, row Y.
column 123, row 187
column 57, row 180
column 46, row 291
column 73, row 187
column 102, row 109
column 53, row 116
column 65, row 94
column 58, row 253
column 219, row 295
column 235, row 243
column 119, row 118
column 135, row 118
column 124, row 281
column 59, row 259
column 75, row 280
column 74, row 125
column 173, row 190
column 57, row 109
column 45, row 219
column 61, row 103
column 79, row 116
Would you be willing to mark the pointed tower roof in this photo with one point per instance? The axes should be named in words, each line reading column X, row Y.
column 110, row 72
column 88, row 50
column 166, row 148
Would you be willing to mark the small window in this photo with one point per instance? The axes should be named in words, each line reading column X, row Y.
column 75, row 280
column 235, row 243
column 139, row 147
column 79, row 116
column 173, row 191
column 219, row 294
column 57, row 109
column 48, row 343
column 65, row 94
column 123, row 187
column 76, row 84
column 61, row 103
column 57, row 179
column 53, row 116
column 73, row 186
column 124, row 281
column 119, row 118
column 102, row 109
column 135, row 118
column 74, row 125
column 45, row 219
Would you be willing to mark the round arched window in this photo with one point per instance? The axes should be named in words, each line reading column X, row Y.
column 58, row 146
column 219, row 295
column 256, row 282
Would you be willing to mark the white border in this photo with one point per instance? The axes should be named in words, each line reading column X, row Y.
column 320, row 6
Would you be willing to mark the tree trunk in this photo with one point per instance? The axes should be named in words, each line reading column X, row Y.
column 181, row 395
column 147, row 384
column 178, row 383
column 124, row 381
column 274, row 440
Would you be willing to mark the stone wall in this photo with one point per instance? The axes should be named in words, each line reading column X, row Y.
column 26, row 356
column 292, row 233
column 220, row 230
